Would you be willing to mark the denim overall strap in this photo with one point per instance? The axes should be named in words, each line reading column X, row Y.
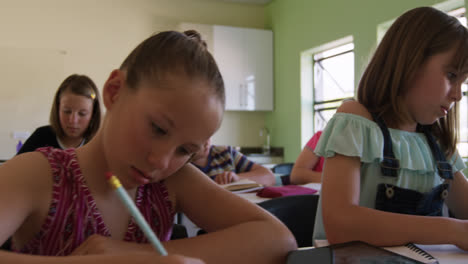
column 444, row 168
column 389, row 165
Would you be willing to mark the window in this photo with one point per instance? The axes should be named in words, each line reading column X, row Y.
column 327, row 76
column 333, row 81
column 462, row 146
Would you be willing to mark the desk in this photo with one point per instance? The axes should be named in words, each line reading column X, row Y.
column 252, row 196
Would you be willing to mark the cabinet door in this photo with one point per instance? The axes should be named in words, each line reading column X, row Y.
column 245, row 59
column 228, row 52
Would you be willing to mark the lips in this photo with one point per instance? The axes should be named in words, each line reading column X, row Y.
column 139, row 176
column 73, row 129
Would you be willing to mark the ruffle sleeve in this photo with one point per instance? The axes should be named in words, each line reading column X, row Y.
column 356, row 136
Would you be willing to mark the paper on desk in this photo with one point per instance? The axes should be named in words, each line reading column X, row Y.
column 446, row 254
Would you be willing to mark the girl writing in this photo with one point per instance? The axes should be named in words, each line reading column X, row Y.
column 74, row 118
column 164, row 102
column 391, row 160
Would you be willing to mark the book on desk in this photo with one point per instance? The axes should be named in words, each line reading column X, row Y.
column 443, row 253
column 357, row 252
column 242, row 186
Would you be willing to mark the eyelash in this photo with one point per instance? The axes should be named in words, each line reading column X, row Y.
column 184, row 151
column 158, row 130
column 69, row 112
column 451, row 76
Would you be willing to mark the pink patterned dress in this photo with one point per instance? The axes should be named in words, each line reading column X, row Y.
column 73, row 215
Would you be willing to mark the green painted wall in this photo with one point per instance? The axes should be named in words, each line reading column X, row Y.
column 299, row 25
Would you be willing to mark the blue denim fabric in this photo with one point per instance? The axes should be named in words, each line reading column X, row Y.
column 406, row 201
column 391, row 198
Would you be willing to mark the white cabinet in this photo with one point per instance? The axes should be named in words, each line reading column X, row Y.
column 245, row 59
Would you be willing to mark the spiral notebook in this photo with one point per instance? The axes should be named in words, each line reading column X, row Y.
column 414, row 252
column 360, row 251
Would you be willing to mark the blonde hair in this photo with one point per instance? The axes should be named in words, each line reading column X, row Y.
column 79, row 85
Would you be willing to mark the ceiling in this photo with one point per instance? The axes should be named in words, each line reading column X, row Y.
column 258, row 2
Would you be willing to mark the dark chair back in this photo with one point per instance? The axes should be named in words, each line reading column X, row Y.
column 297, row 212
column 283, row 168
column 179, row 231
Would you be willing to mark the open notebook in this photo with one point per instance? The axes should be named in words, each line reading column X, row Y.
column 414, row 252
column 410, row 251
column 242, row 186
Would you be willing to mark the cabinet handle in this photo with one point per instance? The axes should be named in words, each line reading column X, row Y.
column 241, row 95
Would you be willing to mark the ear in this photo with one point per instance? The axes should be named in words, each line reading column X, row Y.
column 113, row 88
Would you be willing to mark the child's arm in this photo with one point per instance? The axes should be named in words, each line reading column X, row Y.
column 340, row 204
column 302, row 170
column 25, row 194
column 257, row 173
column 238, row 230
column 458, row 196
column 134, row 258
column 344, row 220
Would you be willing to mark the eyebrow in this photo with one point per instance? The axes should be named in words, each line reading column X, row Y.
column 196, row 147
column 171, row 123
column 168, row 120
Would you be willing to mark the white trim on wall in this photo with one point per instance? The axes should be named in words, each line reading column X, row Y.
column 307, row 99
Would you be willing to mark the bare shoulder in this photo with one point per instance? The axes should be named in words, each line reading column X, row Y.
column 354, row 107
column 31, row 170
column 187, row 174
column 25, row 192
column 188, row 180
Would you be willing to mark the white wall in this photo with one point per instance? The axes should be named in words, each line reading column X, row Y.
column 44, row 41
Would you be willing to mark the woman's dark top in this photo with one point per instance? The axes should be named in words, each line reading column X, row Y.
column 42, row 137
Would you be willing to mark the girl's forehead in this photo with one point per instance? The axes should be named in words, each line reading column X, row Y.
column 74, row 100
column 181, row 97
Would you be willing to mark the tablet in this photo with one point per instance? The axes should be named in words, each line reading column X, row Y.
column 355, row 252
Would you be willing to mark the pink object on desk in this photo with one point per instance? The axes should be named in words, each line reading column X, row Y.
column 279, row 191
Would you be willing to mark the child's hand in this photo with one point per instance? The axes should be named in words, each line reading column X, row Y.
column 462, row 237
column 176, row 259
column 144, row 258
column 173, row 259
column 97, row 244
column 226, row 177
column 136, row 253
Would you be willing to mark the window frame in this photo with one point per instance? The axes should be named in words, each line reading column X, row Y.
column 307, row 87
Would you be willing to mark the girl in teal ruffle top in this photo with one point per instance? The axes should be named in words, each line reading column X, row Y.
column 411, row 88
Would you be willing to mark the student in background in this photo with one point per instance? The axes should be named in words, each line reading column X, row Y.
column 74, row 118
column 308, row 166
column 224, row 165
column 163, row 104
column 391, row 159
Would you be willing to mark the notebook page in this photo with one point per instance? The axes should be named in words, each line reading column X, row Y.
column 446, row 254
column 414, row 252
column 244, row 185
